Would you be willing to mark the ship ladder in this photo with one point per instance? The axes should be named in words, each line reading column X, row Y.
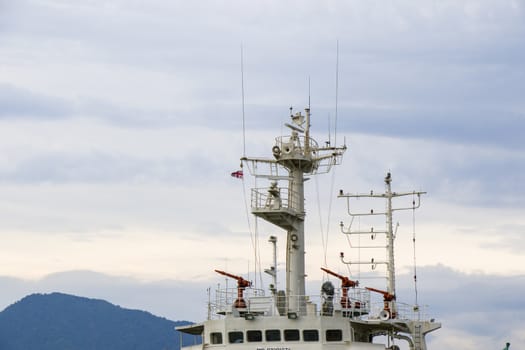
column 417, row 338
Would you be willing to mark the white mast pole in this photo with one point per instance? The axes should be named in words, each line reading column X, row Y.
column 391, row 287
column 298, row 155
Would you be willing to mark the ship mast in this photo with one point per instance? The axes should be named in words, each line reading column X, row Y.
column 390, row 294
column 295, row 156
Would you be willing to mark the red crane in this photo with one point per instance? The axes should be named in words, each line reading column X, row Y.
column 387, row 298
column 345, row 284
column 241, row 286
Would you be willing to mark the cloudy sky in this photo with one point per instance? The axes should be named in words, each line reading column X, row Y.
column 121, row 121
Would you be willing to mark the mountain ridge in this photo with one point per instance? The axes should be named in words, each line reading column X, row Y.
column 58, row 321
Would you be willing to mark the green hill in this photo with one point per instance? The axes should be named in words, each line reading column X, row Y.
column 65, row 322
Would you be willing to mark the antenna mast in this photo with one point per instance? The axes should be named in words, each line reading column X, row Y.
column 336, row 91
column 242, row 96
column 295, row 156
column 390, row 293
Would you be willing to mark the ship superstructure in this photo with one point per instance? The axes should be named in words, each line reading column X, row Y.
column 338, row 318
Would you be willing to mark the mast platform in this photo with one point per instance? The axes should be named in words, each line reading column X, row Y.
column 277, row 206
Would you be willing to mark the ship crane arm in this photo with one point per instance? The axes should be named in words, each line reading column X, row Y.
column 386, row 295
column 389, row 308
column 241, row 282
column 241, row 285
column 345, row 281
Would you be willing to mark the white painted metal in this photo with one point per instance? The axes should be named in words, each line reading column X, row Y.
column 417, row 329
column 388, row 196
column 346, row 313
column 272, row 271
column 298, row 156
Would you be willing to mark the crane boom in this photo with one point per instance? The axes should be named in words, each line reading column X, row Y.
column 241, row 285
column 345, row 281
column 241, row 282
column 386, row 296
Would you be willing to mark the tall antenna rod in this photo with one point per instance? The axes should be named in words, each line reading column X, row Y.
column 243, row 115
column 309, row 94
column 336, row 91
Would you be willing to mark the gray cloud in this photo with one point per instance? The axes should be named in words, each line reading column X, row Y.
column 162, row 298
column 446, row 74
column 17, row 102
column 107, row 168
column 481, row 305
column 453, row 73
column 498, row 128
column 511, row 236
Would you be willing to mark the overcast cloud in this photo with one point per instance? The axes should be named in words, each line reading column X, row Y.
column 120, row 122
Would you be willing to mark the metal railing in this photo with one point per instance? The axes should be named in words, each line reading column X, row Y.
column 356, row 304
column 262, row 199
column 403, row 311
column 297, row 145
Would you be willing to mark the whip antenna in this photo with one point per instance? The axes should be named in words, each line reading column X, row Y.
column 243, row 115
column 309, row 93
column 336, row 91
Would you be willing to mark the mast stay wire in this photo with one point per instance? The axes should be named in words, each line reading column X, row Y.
column 254, row 237
column 254, row 234
column 350, row 245
column 325, row 234
column 336, row 112
column 332, row 181
column 321, row 226
column 319, row 211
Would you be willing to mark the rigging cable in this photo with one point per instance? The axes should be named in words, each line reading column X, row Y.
column 330, row 201
column 324, row 235
column 350, row 245
column 319, row 211
column 254, row 236
column 332, row 181
column 323, row 239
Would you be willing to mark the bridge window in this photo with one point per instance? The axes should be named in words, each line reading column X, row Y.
column 253, row 336
column 291, row 334
column 235, row 337
column 273, row 335
column 334, row 335
column 310, row 335
column 216, row 338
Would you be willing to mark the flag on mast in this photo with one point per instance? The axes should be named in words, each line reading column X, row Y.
column 238, row 174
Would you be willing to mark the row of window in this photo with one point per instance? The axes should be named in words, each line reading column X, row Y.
column 309, row 335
